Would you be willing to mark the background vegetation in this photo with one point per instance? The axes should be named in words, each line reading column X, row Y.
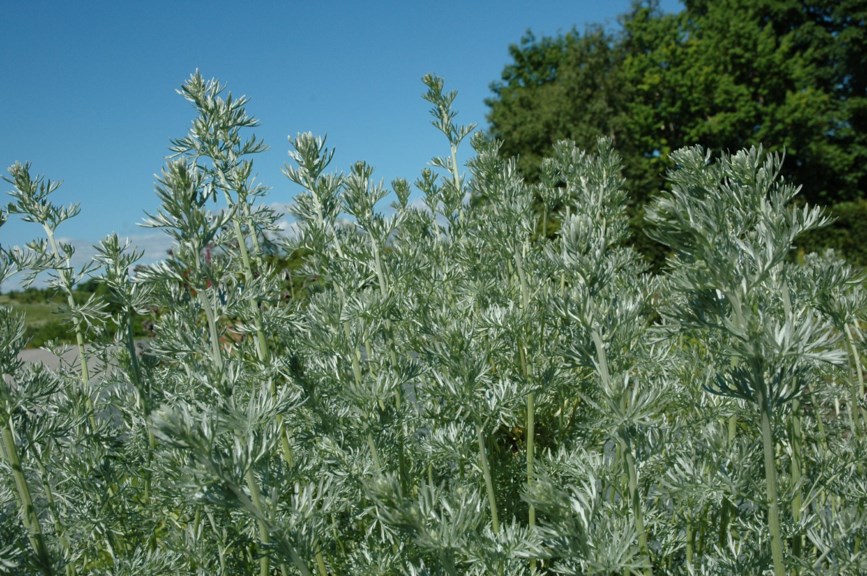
column 787, row 74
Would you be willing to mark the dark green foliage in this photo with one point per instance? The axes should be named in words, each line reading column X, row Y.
column 787, row 74
column 38, row 335
column 557, row 88
column 33, row 295
column 847, row 236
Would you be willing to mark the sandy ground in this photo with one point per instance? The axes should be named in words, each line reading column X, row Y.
column 49, row 359
column 68, row 358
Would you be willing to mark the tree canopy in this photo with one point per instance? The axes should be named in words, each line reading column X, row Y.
column 786, row 74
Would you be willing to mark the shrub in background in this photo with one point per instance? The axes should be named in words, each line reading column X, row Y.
column 848, row 236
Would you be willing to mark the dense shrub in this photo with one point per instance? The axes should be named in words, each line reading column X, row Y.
column 39, row 335
column 448, row 388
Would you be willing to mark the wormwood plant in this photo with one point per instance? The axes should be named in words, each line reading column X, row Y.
column 457, row 390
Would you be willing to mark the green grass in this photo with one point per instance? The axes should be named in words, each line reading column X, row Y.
column 44, row 319
column 36, row 313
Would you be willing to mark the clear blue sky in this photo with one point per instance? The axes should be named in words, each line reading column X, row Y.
column 88, row 90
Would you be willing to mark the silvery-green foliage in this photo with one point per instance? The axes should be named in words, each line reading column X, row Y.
column 731, row 227
column 585, row 532
column 766, row 328
column 9, row 556
column 32, row 203
column 214, row 140
column 485, row 379
column 835, row 287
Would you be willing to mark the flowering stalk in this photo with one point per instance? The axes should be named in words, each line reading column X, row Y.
column 31, row 195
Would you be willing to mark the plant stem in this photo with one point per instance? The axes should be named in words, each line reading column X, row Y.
column 216, row 354
column 262, row 350
column 531, row 444
column 856, row 412
column 531, row 399
column 635, row 500
column 449, row 561
column 727, row 508
column 320, row 564
column 489, row 482
column 456, row 177
column 689, row 537
column 624, row 453
column 144, row 396
column 797, row 441
column 771, row 483
column 25, row 501
column 531, row 449
column 52, row 508
column 374, row 454
column 129, row 341
column 383, row 291
column 264, row 537
column 79, row 336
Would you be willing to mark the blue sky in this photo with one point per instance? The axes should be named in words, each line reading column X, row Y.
column 88, row 91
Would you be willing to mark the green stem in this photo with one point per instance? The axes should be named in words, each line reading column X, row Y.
column 689, row 537
column 727, row 508
column 522, row 276
column 725, row 516
column 52, row 508
column 797, row 463
column 857, row 416
column 456, row 178
column 254, row 238
column 771, row 483
column 624, row 453
column 489, row 482
column 356, row 374
column 702, row 529
column 383, row 291
column 262, row 350
column 216, row 353
column 144, row 399
column 264, row 536
column 320, row 564
column 374, row 453
column 449, row 562
column 79, row 336
column 129, row 340
column 531, row 449
column 637, row 511
column 531, row 398
column 25, row 501
column 531, row 445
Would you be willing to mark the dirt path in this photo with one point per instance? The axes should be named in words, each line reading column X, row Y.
column 69, row 356
column 51, row 361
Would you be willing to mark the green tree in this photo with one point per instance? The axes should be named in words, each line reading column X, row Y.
column 787, row 74
column 556, row 88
